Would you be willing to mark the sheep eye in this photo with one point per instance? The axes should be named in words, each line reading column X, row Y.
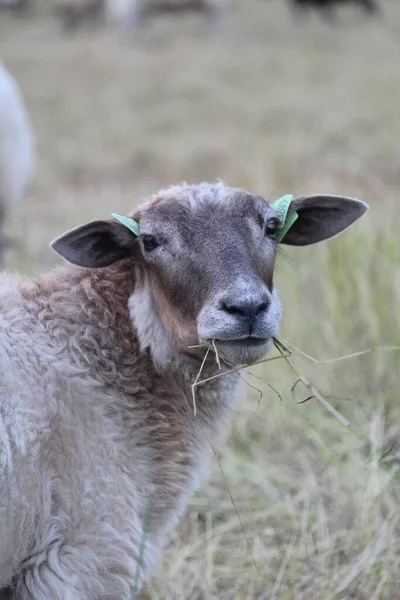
column 271, row 227
column 149, row 243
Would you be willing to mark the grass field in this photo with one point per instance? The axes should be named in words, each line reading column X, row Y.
column 275, row 106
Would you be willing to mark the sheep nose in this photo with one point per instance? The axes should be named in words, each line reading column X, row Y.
column 246, row 310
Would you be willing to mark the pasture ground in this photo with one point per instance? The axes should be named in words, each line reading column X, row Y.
column 276, row 106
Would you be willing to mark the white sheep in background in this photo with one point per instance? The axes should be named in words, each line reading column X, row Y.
column 99, row 445
column 17, row 152
column 130, row 15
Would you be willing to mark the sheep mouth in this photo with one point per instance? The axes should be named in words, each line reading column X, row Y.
column 243, row 350
column 247, row 341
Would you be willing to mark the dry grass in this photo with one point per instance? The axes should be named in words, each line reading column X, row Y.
column 276, row 107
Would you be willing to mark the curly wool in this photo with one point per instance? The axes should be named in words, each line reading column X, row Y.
column 91, row 432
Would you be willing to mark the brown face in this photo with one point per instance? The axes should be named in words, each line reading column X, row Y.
column 210, row 267
column 206, row 257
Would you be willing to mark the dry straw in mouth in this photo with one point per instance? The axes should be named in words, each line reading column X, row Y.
column 211, row 346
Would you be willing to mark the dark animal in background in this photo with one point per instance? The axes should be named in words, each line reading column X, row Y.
column 326, row 6
column 74, row 13
column 19, row 7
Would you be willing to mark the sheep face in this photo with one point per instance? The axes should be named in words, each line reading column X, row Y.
column 205, row 261
column 209, row 255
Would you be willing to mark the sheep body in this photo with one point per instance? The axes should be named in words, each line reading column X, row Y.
column 56, row 404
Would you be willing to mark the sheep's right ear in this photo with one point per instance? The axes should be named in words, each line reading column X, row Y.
column 96, row 244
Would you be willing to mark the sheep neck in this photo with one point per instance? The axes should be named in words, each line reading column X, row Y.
column 87, row 316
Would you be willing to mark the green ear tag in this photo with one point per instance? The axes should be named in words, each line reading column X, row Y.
column 128, row 222
column 286, row 215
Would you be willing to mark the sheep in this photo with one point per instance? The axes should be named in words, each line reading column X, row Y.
column 100, row 448
column 73, row 13
column 131, row 14
column 325, row 6
column 17, row 6
column 128, row 15
column 17, row 149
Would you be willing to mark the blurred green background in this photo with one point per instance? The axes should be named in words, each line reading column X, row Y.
column 276, row 105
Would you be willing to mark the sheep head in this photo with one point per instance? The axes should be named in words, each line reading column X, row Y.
column 205, row 261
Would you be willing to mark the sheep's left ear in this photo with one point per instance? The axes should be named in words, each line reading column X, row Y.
column 96, row 244
column 322, row 217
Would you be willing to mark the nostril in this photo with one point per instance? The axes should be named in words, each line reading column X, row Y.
column 234, row 309
column 262, row 307
column 248, row 310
